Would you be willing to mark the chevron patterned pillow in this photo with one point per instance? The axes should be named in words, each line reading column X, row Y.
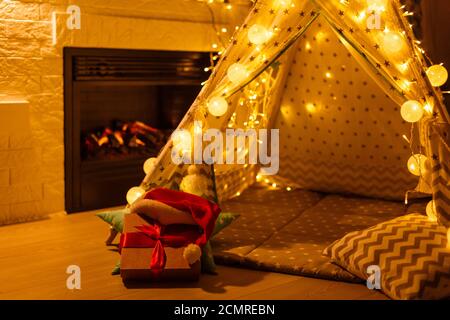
column 410, row 253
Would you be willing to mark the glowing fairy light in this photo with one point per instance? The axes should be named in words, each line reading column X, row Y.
column 431, row 211
column 217, row 106
column 361, row 16
column 403, row 67
column 182, row 140
column 417, row 164
column 411, row 111
column 283, row 3
column 428, row 108
column 377, row 5
column 237, row 73
column 134, row 193
column 438, row 75
column 258, row 34
column 393, row 42
column 149, row 164
column 406, row 139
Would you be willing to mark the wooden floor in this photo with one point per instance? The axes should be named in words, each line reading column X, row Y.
column 34, row 257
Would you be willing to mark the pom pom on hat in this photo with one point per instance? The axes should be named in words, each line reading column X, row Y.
column 192, row 253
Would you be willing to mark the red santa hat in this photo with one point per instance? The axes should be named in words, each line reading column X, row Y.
column 203, row 212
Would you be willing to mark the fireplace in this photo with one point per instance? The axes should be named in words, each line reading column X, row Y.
column 120, row 108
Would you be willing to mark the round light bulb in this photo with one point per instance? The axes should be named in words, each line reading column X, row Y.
column 149, row 164
column 392, row 42
column 237, row 73
column 438, row 75
column 217, row 106
column 431, row 211
column 134, row 193
column 417, row 164
column 257, row 34
column 182, row 139
column 377, row 5
column 282, row 3
column 411, row 111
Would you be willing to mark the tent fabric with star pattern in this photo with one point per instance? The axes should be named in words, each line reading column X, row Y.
column 333, row 82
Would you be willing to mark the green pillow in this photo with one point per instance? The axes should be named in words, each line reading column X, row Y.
column 223, row 220
column 114, row 218
column 208, row 264
column 116, row 269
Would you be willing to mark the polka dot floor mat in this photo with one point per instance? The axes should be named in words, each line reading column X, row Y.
column 286, row 231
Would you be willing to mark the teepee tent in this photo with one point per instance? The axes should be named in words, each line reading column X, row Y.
column 348, row 87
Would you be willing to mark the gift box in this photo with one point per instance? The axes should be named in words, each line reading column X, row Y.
column 150, row 251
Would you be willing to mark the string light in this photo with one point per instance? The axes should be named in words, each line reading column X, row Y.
column 282, row 3
column 134, row 193
column 182, row 140
column 438, row 75
column 376, row 5
column 403, row 67
column 406, row 139
column 411, row 111
column 361, row 16
column 417, row 164
column 428, row 108
column 217, row 106
column 431, row 211
column 258, row 34
column 237, row 73
column 149, row 164
column 392, row 42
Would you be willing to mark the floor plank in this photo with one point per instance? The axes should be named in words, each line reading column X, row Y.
column 34, row 257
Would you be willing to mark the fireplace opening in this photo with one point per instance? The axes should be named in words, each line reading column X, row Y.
column 120, row 108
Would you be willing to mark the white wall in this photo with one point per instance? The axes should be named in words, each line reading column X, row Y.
column 31, row 145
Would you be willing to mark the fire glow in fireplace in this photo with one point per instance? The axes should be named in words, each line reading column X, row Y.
column 120, row 108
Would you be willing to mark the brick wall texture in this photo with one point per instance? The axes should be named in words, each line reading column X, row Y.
column 32, row 159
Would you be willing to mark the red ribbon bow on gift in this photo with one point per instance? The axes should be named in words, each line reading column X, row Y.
column 151, row 236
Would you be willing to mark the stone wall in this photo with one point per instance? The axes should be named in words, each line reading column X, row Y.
column 31, row 79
